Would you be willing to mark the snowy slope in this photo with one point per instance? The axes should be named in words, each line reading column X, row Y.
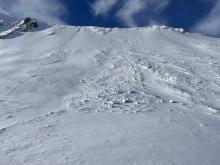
column 94, row 96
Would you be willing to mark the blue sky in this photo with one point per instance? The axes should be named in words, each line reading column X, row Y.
column 193, row 15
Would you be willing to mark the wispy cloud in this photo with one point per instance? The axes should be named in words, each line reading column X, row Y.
column 102, row 7
column 148, row 8
column 129, row 9
column 211, row 24
column 3, row 11
column 46, row 10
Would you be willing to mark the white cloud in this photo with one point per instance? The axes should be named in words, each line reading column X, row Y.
column 147, row 7
column 102, row 7
column 45, row 10
column 129, row 9
column 211, row 24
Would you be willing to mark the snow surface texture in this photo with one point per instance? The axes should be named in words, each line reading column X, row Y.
column 95, row 96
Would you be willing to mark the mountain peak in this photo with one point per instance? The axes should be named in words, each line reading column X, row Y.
column 12, row 27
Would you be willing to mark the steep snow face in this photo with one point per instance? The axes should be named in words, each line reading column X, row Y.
column 88, row 95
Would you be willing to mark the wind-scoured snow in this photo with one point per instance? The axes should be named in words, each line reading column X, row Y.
column 94, row 96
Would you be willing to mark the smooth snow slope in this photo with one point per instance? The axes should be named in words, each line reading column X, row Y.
column 94, row 96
